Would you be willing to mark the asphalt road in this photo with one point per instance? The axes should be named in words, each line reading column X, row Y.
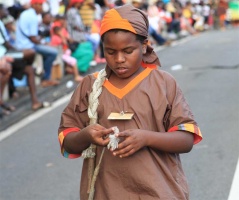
column 207, row 69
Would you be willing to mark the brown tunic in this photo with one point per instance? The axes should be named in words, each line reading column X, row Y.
column 158, row 105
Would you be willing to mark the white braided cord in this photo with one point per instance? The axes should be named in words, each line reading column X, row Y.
column 92, row 108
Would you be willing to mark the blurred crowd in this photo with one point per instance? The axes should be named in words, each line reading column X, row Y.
column 51, row 38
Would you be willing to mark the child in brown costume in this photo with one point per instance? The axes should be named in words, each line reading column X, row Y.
column 146, row 105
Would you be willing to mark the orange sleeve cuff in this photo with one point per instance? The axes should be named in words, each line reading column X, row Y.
column 189, row 128
column 61, row 138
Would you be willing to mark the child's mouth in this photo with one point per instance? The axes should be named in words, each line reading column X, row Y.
column 121, row 70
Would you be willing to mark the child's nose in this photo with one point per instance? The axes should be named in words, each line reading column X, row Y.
column 119, row 58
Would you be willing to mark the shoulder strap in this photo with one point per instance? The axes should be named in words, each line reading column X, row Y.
column 22, row 31
column 20, row 28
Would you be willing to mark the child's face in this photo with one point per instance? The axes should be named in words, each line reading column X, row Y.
column 123, row 52
column 58, row 31
column 47, row 19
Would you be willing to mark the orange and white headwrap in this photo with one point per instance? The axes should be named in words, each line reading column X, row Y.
column 129, row 18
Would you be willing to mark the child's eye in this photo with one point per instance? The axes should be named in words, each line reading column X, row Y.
column 129, row 51
column 110, row 52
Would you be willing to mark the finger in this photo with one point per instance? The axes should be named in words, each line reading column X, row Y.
column 106, row 132
column 9, row 59
column 123, row 144
column 121, row 151
column 105, row 142
column 127, row 154
column 98, row 127
column 122, row 134
column 101, row 142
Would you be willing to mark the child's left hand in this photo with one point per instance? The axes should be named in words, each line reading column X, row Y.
column 131, row 141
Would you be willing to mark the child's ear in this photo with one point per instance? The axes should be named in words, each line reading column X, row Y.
column 145, row 43
column 144, row 49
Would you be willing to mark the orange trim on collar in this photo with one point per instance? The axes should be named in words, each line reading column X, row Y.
column 120, row 93
column 146, row 65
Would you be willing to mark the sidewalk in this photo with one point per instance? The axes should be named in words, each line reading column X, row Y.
column 50, row 94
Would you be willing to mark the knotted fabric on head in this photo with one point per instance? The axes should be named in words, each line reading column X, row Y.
column 131, row 19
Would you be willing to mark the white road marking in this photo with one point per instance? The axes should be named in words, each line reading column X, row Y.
column 234, row 192
column 176, row 67
column 14, row 128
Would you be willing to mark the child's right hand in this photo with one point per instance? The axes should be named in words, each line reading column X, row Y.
column 98, row 134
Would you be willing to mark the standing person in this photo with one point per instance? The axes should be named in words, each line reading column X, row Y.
column 27, row 37
column 153, row 130
column 87, row 13
column 75, row 24
column 156, row 24
column 84, row 52
column 221, row 12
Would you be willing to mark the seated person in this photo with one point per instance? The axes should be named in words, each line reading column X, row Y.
column 21, row 64
column 60, row 38
column 5, row 73
column 27, row 38
column 9, row 23
column 45, row 27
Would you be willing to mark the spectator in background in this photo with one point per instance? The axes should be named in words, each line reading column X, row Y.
column 101, row 7
column 75, row 24
column 63, row 5
column 25, row 4
column 198, row 19
column 21, row 64
column 78, row 34
column 59, row 38
column 186, row 20
column 118, row 3
column 153, row 17
column 62, row 8
column 221, row 12
column 5, row 73
column 105, row 5
column 44, row 28
column 138, row 4
column 15, row 10
column 95, row 33
column 54, row 6
column 174, row 8
column 206, row 14
column 87, row 11
column 27, row 37
column 9, row 24
column 60, row 21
